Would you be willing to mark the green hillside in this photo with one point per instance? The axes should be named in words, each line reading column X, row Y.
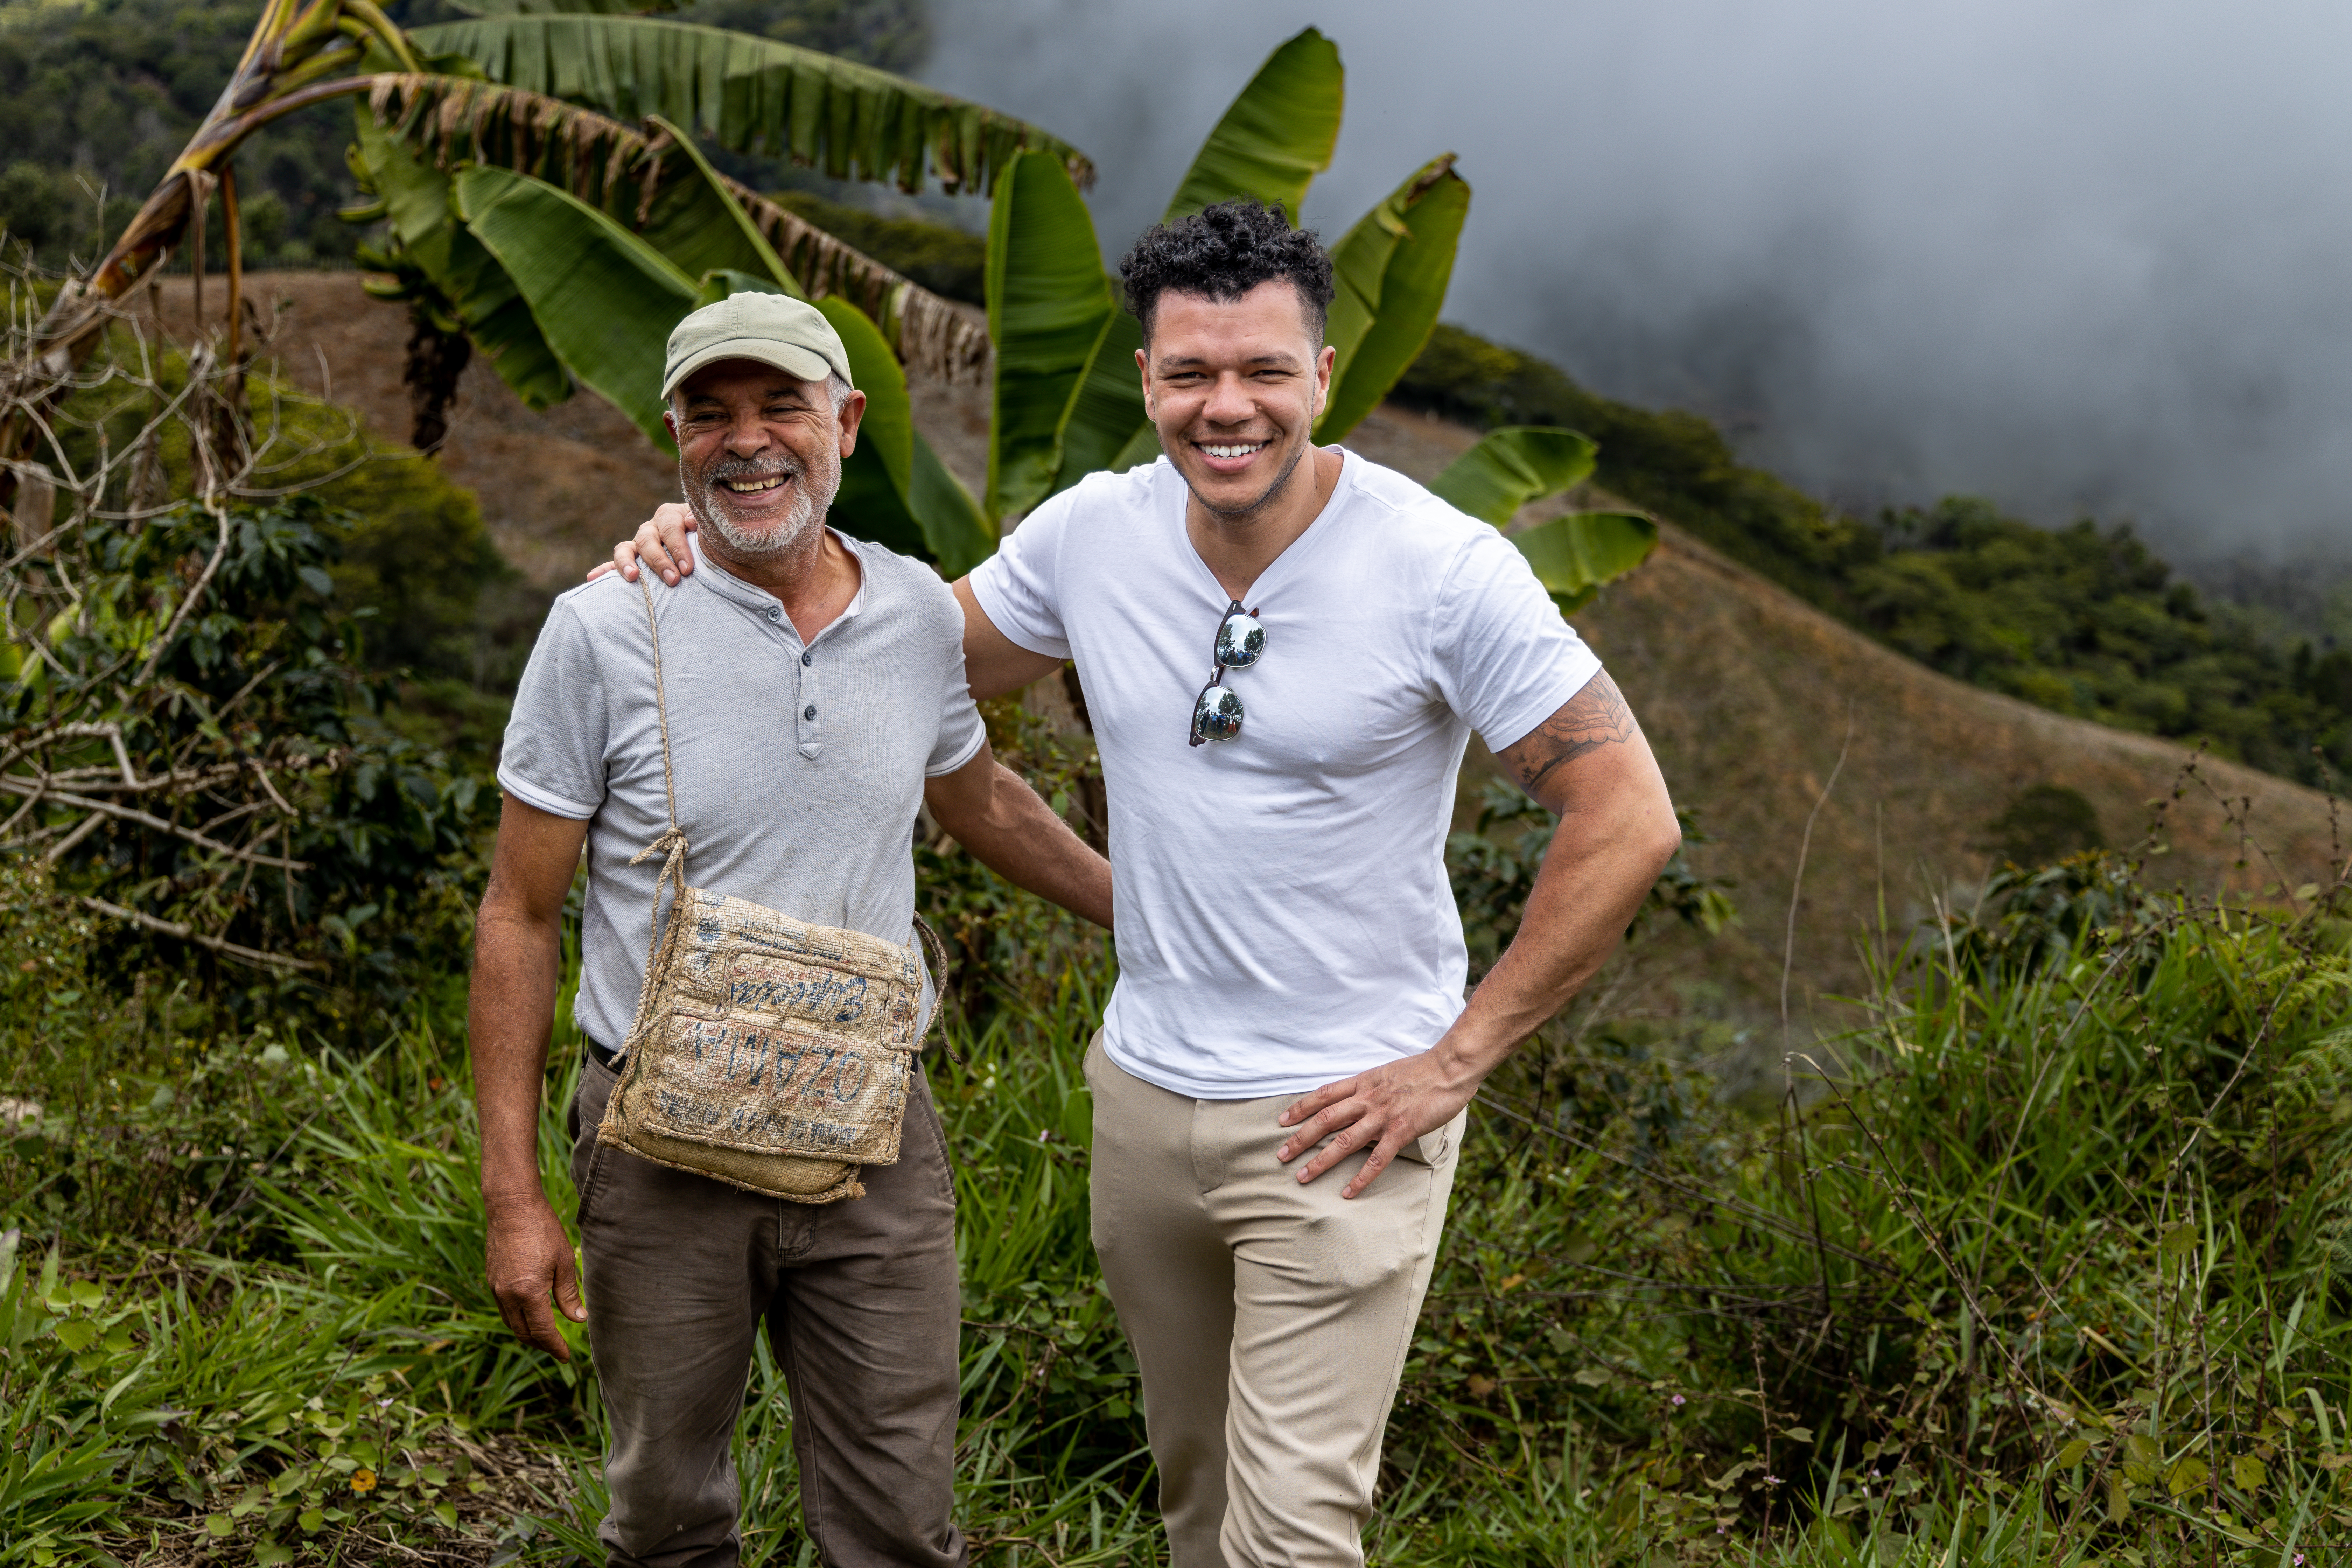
column 2084, row 620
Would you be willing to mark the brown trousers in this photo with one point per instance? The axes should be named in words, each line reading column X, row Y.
column 862, row 1310
column 1270, row 1318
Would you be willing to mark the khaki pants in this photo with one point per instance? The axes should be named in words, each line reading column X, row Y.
column 1270, row 1319
column 862, row 1310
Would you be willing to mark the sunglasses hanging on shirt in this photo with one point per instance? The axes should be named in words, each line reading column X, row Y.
column 1217, row 711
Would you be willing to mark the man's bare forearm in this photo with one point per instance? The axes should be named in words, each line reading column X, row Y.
column 1590, row 766
column 509, row 1017
column 1593, row 879
column 1604, row 856
column 1016, row 835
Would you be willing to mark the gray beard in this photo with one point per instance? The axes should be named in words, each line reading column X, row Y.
column 813, row 497
column 765, row 542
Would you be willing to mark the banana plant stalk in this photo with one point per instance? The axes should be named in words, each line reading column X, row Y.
column 291, row 62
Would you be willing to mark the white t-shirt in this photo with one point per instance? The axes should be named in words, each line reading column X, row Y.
column 1284, row 917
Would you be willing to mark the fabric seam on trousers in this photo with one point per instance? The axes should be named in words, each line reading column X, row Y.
column 946, row 1161
column 598, row 1162
column 596, row 1183
column 1413, row 1319
column 813, row 1514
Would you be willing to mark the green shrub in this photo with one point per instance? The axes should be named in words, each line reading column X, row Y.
column 2062, row 1234
column 2043, row 824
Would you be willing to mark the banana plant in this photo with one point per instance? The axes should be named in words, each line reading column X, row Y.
column 604, row 300
column 1573, row 554
column 523, row 84
column 1068, row 400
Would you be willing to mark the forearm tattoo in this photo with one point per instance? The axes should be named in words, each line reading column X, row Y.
column 1596, row 716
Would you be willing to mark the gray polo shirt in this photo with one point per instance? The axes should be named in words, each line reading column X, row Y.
column 799, row 768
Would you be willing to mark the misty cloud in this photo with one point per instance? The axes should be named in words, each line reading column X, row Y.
column 2074, row 255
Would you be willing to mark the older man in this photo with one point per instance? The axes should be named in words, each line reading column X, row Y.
column 817, row 694
column 1285, row 649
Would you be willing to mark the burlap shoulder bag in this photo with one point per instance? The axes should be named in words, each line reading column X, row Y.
column 769, row 1053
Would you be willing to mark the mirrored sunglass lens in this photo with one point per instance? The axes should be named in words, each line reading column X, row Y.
column 1218, row 715
column 1240, row 641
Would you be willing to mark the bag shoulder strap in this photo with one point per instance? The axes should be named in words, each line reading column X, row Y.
column 671, row 842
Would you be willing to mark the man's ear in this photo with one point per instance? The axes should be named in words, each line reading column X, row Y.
column 853, row 410
column 1143, row 369
column 669, row 422
column 1324, row 359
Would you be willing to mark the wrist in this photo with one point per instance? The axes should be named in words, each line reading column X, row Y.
column 514, row 1200
column 1468, row 1052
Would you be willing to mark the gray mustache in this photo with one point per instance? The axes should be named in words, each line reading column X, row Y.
column 753, row 468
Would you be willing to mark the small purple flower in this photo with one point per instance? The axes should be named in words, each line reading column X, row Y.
column 1678, row 1399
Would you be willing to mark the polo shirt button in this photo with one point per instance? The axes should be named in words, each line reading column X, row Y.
column 809, row 712
column 808, row 659
column 775, row 614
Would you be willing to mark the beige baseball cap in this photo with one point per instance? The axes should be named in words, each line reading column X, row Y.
column 773, row 328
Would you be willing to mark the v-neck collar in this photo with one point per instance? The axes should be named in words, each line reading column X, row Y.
column 1275, row 569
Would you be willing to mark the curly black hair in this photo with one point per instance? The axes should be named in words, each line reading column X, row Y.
column 1223, row 252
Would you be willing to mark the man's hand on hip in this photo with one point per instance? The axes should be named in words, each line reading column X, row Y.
column 1590, row 766
column 1382, row 1110
column 530, row 1258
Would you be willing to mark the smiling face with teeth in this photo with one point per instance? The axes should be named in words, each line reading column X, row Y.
column 759, row 456
column 1233, row 386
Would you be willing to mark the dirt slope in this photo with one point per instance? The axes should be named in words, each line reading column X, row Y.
column 1748, row 693
column 1749, row 696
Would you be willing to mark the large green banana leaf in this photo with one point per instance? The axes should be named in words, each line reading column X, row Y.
column 754, row 95
column 1572, row 555
column 604, row 299
column 1106, row 420
column 542, row 8
column 1391, row 269
column 702, row 228
column 1513, row 466
column 1067, row 408
column 872, row 501
column 1277, row 136
column 894, row 489
column 1576, row 555
column 1049, row 306
column 960, row 536
column 416, row 200
column 663, row 190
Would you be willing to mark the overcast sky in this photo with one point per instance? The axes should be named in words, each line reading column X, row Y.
column 2074, row 255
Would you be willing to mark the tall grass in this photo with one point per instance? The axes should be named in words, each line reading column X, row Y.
column 2039, row 1265
column 2055, row 1241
